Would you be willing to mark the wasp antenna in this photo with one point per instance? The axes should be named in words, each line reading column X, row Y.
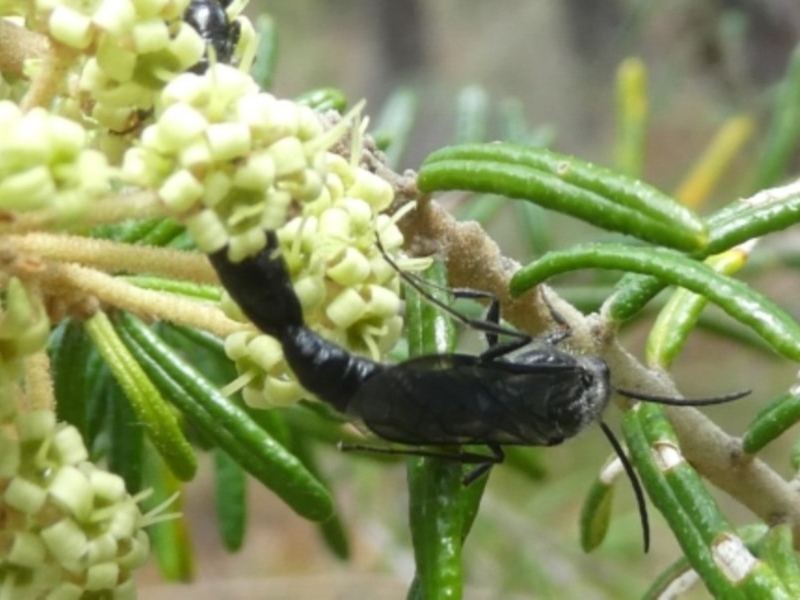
column 672, row 401
column 637, row 486
column 488, row 327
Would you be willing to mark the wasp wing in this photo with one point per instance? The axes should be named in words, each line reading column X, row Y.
column 464, row 399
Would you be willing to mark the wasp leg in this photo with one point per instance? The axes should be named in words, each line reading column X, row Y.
column 497, row 457
column 489, row 326
column 484, row 462
column 634, row 479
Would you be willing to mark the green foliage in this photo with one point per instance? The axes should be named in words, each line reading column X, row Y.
column 149, row 398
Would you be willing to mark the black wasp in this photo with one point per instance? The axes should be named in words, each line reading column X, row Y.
column 209, row 19
column 524, row 391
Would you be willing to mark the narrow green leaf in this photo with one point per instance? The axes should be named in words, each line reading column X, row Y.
column 763, row 582
column 430, row 331
column 596, row 514
column 322, row 99
column 164, row 233
column 333, row 530
column 766, row 212
column 778, row 551
column 784, row 130
column 552, row 191
column 171, row 539
column 394, row 124
column 126, row 441
column 633, row 292
column 70, row 348
column 685, row 483
column 662, row 495
column 436, row 526
column 632, row 113
column 436, row 511
column 733, row 559
column 230, row 500
column 98, row 405
column 152, row 411
column 175, row 286
column 736, row 298
column 131, row 233
column 206, row 353
column 753, row 222
column 680, row 314
column 667, row 581
column 472, row 107
column 263, row 70
column 571, row 186
column 225, row 423
column 780, row 414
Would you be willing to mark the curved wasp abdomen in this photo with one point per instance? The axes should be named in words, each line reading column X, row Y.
column 261, row 287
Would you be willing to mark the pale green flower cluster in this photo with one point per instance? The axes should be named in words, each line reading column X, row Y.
column 45, row 162
column 348, row 292
column 70, row 530
column 131, row 48
column 228, row 159
column 232, row 162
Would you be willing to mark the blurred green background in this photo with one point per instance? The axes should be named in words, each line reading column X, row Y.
column 706, row 61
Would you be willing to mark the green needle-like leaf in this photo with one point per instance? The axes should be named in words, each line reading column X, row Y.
column 596, row 514
column 736, row 298
column 394, row 124
column 226, row 424
column 565, row 184
column 436, row 510
column 784, row 131
column 472, row 107
column 680, row 314
column 263, row 70
column 322, row 99
column 152, row 411
column 664, row 498
column 774, row 419
column 230, row 499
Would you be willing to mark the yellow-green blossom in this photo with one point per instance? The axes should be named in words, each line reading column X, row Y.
column 70, row 529
column 228, row 159
column 127, row 50
column 348, row 292
column 45, row 162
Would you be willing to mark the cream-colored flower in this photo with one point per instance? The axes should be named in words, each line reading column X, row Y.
column 69, row 528
column 46, row 162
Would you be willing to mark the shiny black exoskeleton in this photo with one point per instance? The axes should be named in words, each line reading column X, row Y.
column 209, row 19
column 511, row 394
column 524, row 391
